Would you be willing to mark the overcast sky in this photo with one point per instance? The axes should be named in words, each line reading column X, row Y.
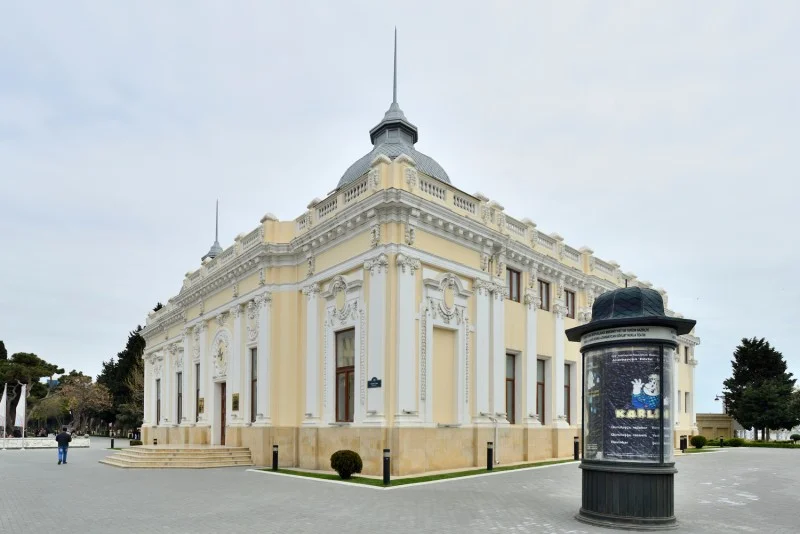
column 658, row 135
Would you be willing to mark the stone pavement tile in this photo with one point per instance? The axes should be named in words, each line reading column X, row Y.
column 743, row 490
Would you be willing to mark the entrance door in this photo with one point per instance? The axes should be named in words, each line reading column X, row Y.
column 223, row 410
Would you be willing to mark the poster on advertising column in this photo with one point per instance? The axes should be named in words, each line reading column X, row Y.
column 633, row 392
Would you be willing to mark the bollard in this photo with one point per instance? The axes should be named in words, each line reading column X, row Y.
column 575, row 449
column 112, row 442
column 489, row 455
column 274, row 457
column 155, row 441
column 386, row 464
column 683, row 443
column 721, row 442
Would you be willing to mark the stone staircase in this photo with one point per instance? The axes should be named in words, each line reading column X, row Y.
column 179, row 457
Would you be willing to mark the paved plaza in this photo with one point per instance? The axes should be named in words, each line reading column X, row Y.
column 736, row 490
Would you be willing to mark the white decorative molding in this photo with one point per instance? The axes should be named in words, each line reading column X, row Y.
column 222, row 318
column 374, row 179
column 375, row 235
column 220, row 353
column 311, row 290
column 411, row 235
column 311, row 265
column 405, row 262
column 377, row 265
column 411, row 177
column 532, row 299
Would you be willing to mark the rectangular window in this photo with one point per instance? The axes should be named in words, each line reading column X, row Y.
column 253, row 384
column 540, row 390
column 196, row 392
column 345, row 374
column 510, row 388
column 679, row 401
column 566, row 394
column 544, row 294
column 685, row 354
column 158, row 401
column 179, row 383
column 687, row 399
column 512, row 281
column 569, row 297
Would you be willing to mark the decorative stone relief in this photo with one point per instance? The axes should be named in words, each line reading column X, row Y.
column 560, row 310
column 411, row 235
column 448, row 310
column 407, row 264
column 482, row 287
column 501, row 265
column 236, row 290
column 202, row 307
column 349, row 311
column 532, row 300
column 222, row 318
column 411, row 177
column 262, row 300
column 311, row 265
column 236, row 311
column 375, row 235
column 484, row 262
column 533, row 276
column 220, row 353
column 252, row 320
column 262, row 277
column 374, row 179
column 311, row 291
column 179, row 362
column 377, row 265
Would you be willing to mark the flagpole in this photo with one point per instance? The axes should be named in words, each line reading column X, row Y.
column 3, row 415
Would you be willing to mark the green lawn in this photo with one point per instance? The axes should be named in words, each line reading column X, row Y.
column 414, row 480
column 704, row 449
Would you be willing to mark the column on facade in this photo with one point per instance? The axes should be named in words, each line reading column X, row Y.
column 263, row 305
column 693, row 363
column 531, row 378
column 499, row 353
column 234, row 377
column 200, row 332
column 376, row 331
column 312, row 353
column 148, row 391
column 186, row 368
column 560, row 311
column 166, row 389
column 407, row 411
column 483, row 336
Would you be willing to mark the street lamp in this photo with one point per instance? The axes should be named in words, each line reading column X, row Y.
column 724, row 398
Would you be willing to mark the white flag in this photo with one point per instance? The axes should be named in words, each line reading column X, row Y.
column 19, row 420
column 3, row 409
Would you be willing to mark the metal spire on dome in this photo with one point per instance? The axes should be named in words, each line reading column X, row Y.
column 394, row 87
column 215, row 249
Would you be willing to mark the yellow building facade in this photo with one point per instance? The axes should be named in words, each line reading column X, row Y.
column 398, row 312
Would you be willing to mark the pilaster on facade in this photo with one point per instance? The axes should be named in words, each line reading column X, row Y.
column 200, row 334
column 187, row 418
column 234, row 379
column 532, row 302
column 693, row 363
column 262, row 307
column 167, row 377
column 407, row 406
column 312, row 414
column 559, row 417
column 483, row 336
column 147, row 417
column 676, row 400
column 498, row 404
column 376, row 344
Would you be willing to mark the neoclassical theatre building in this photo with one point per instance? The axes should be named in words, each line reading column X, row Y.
column 398, row 312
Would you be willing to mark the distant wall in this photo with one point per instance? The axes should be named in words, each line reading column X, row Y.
column 40, row 443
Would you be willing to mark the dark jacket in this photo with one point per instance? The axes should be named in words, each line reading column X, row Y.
column 63, row 439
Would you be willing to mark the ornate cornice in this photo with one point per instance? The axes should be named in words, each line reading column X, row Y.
column 311, row 290
column 377, row 265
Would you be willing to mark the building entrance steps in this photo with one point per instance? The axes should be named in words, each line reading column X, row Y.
column 180, row 457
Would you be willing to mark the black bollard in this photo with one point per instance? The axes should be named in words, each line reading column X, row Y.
column 274, row 457
column 721, row 442
column 489, row 455
column 386, row 464
column 112, row 442
column 155, row 441
column 575, row 450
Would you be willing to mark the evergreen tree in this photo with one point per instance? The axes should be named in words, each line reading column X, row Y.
column 759, row 393
column 23, row 368
column 116, row 376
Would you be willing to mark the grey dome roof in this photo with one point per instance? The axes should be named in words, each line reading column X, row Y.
column 425, row 164
column 393, row 136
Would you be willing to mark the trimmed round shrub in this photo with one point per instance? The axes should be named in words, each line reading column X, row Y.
column 698, row 442
column 734, row 442
column 346, row 463
column 135, row 442
column 795, row 437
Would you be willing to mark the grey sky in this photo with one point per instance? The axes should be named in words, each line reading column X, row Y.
column 659, row 135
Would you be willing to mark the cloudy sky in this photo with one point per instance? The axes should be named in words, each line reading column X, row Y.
column 658, row 135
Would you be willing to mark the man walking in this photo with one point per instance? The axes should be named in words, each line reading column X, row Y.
column 63, row 440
